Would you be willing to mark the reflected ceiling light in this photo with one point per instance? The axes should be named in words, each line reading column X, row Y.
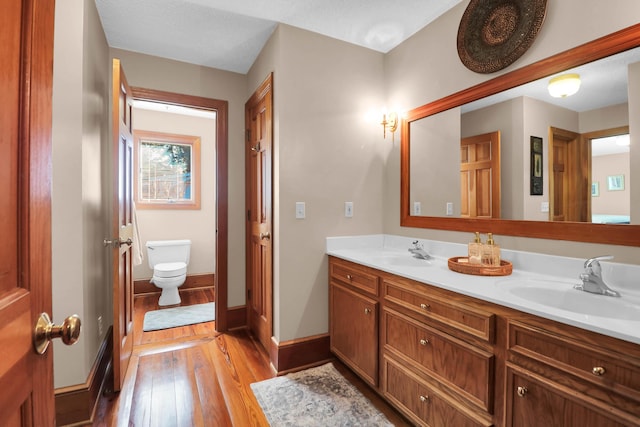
column 564, row 85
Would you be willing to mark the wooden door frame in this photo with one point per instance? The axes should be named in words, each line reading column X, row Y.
column 221, row 108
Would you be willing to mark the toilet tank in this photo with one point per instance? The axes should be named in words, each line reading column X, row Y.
column 162, row 251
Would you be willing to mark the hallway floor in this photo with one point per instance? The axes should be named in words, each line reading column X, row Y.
column 193, row 376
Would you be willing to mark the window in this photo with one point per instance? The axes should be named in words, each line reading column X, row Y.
column 167, row 171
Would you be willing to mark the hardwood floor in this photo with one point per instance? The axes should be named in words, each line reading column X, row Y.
column 193, row 376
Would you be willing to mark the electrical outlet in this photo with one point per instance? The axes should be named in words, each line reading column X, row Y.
column 449, row 208
column 348, row 209
column 417, row 208
column 300, row 210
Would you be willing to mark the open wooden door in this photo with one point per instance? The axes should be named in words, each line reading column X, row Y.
column 26, row 70
column 258, row 118
column 122, row 225
column 569, row 177
column 480, row 176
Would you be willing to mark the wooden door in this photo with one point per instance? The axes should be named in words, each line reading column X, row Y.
column 26, row 70
column 354, row 331
column 122, row 225
column 480, row 176
column 258, row 118
column 570, row 177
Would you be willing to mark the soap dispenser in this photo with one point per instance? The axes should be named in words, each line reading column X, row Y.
column 491, row 252
column 475, row 250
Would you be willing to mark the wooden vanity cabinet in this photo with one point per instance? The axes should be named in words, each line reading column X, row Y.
column 354, row 318
column 445, row 359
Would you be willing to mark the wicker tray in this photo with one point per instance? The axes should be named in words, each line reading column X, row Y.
column 460, row 264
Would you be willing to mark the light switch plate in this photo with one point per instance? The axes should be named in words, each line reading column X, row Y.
column 544, row 207
column 348, row 209
column 417, row 208
column 300, row 210
column 449, row 208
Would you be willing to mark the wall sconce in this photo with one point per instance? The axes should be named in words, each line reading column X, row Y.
column 564, row 85
column 389, row 123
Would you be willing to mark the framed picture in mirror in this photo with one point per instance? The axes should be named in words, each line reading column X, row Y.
column 536, row 166
column 615, row 182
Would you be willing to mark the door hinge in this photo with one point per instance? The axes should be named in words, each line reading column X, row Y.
column 248, row 134
column 249, row 215
column 248, row 294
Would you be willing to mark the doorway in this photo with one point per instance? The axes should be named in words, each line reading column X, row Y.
column 221, row 184
column 174, row 192
column 480, row 176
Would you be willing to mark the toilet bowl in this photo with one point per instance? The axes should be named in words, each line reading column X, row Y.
column 169, row 260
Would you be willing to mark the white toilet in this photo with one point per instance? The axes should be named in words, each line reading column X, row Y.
column 169, row 259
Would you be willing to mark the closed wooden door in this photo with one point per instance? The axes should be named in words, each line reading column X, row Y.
column 480, row 176
column 122, row 225
column 258, row 118
column 26, row 76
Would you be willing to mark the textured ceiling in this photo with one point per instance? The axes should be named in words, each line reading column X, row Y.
column 229, row 34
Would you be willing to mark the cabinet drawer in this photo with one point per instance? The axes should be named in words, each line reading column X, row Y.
column 418, row 301
column 584, row 360
column 463, row 367
column 348, row 273
column 421, row 403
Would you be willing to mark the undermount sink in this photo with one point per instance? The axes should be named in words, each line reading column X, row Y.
column 563, row 296
column 397, row 259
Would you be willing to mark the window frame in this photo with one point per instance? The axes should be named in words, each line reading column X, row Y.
column 141, row 136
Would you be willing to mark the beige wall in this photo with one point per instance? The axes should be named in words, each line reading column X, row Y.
column 325, row 153
column 426, row 67
column 611, row 202
column 80, row 281
column 195, row 225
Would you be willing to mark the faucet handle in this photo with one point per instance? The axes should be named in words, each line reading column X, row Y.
column 595, row 260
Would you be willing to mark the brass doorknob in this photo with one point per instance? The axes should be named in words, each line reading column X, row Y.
column 45, row 331
column 265, row 236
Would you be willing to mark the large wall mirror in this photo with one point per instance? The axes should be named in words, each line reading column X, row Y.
column 506, row 157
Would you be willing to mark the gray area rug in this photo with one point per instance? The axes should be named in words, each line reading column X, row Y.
column 178, row 316
column 315, row 397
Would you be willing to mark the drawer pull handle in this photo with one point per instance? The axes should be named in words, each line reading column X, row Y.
column 350, row 277
column 424, row 341
column 598, row 371
column 424, row 398
column 521, row 391
column 425, row 306
column 367, row 311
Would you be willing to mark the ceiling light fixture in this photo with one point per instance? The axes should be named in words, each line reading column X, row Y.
column 564, row 85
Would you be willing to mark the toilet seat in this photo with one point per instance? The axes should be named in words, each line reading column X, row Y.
column 170, row 269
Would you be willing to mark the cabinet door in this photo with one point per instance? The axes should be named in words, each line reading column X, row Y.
column 536, row 402
column 354, row 331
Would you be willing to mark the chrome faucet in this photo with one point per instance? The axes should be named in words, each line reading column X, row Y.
column 592, row 278
column 418, row 251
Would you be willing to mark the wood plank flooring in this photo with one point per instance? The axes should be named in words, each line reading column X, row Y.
column 193, row 376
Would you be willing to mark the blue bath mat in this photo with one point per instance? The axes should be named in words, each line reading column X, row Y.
column 178, row 316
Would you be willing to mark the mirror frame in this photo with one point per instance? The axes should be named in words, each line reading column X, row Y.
column 627, row 235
